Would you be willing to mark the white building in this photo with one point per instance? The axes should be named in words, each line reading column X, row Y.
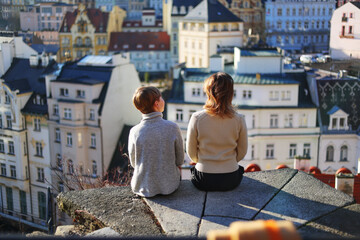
column 204, row 29
column 298, row 25
column 24, row 142
column 345, row 32
column 173, row 12
column 280, row 117
column 338, row 102
column 89, row 104
column 149, row 51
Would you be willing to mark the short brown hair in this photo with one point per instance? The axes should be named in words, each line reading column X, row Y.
column 144, row 99
column 219, row 89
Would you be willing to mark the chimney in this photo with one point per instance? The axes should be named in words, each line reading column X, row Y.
column 34, row 60
column 302, row 163
column 44, row 60
column 344, row 181
column 216, row 63
column 258, row 77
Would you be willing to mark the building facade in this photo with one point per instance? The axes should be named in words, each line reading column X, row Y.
column 206, row 28
column 149, row 51
column 279, row 115
column 44, row 16
column 298, row 26
column 252, row 12
column 173, row 12
column 345, row 32
column 148, row 23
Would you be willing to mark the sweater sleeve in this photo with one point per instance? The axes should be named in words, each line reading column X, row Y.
column 191, row 139
column 242, row 143
column 179, row 148
column 131, row 148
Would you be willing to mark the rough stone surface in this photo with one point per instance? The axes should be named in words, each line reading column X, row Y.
column 104, row 233
column 210, row 223
column 115, row 207
column 64, row 231
column 342, row 222
column 179, row 213
column 254, row 192
column 303, row 199
column 314, row 207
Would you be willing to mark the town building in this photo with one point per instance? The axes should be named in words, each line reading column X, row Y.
column 135, row 8
column 148, row 23
column 86, row 3
column 298, row 26
column 86, row 32
column 345, row 30
column 44, row 16
column 173, row 12
column 279, row 113
column 157, row 6
column 11, row 8
column 206, row 28
column 24, row 142
column 252, row 12
column 337, row 98
column 84, row 127
column 149, row 51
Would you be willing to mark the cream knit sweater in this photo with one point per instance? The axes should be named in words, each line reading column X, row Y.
column 155, row 150
column 216, row 144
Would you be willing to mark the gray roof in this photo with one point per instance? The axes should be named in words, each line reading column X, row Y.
column 211, row 11
column 184, row 3
column 260, row 53
column 356, row 4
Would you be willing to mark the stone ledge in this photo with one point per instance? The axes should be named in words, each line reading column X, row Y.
column 286, row 194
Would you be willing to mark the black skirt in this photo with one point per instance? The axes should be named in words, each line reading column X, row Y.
column 216, row 181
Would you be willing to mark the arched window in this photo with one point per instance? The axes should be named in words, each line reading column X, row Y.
column 78, row 41
column 70, row 167
column 330, row 154
column 87, row 41
column 94, row 168
column 343, row 153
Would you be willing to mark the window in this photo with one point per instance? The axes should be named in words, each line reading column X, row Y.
column 70, row 167
column 292, row 150
column 342, row 123
column 270, row 151
column 92, row 114
column 23, row 205
column 343, row 153
column 64, row 92
column 330, row 154
column 69, row 139
column 80, row 93
column 61, row 187
column 8, row 121
column 7, row 98
column 350, row 29
column 11, row 147
column 67, row 113
column 273, row 120
column 179, row 115
column 56, row 110
column 2, row 146
column 57, row 135
column 9, row 199
column 12, row 171
column 3, row 169
column 42, row 205
column 253, row 121
column 59, row 161
column 39, row 149
column 288, row 120
column 94, row 168
column 79, row 138
column 93, row 141
column 279, row 11
column 303, row 122
column 37, row 126
column 196, row 92
column 252, row 151
column 40, row 175
column 274, row 95
column 1, row 121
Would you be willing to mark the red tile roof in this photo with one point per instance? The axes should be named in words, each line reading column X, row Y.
column 139, row 41
column 329, row 179
column 96, row 16
column 343, row 170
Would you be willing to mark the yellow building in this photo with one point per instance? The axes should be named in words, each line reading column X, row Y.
column 86, row 32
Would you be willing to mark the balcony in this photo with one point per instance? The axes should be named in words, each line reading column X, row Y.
column 76, row 45
column 346, row 35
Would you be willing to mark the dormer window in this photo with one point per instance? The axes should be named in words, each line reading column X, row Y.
column 139, row 46
column 338, row 119
column 64, row 92
column 80, row 93
column 125, row 46
column 151, row 46
column 182, row 10
column 174, row 10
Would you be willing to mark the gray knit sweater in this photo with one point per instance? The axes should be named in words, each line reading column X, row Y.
column 156, row 151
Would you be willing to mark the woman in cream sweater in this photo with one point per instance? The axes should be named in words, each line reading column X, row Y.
column 217, row 138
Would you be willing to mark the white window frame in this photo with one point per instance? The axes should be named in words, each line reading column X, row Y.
column 270, row 149
column 93, row 140
column 69, row 140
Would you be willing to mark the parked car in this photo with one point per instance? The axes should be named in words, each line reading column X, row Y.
column 305, row 59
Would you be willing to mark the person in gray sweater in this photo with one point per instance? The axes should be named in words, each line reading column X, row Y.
column 155, row 147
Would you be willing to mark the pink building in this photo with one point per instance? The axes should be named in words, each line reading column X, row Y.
column 45, row 16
